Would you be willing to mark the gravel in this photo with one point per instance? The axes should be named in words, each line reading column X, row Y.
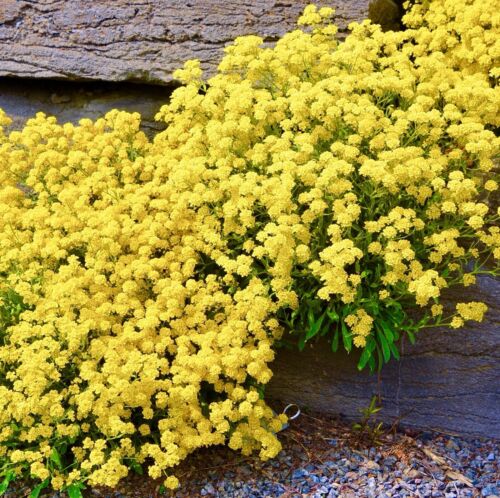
column 322, row 457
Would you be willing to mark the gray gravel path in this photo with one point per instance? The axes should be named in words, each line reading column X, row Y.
column 322, row 457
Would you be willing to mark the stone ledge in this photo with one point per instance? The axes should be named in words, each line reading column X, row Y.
column 138, row 40
column 447, row 381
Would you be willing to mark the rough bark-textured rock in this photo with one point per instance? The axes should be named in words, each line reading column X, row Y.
column 137, row 40
column 448, row 380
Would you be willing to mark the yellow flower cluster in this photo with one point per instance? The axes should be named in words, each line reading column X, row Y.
column 361, row 326
column 123, row 338
column 468, row 311
column 147, row 280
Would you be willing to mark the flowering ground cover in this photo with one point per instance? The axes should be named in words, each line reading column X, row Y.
column 313, row 188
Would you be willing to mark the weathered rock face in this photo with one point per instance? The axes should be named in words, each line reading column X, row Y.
column 138, row 40
column 448, row 380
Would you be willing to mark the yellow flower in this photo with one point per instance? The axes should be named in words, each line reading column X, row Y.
column 491, row 185
column 143, row 281
column 171, row 482
column 472, row 310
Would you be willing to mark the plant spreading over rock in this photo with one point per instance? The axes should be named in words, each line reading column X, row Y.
column 316, row 187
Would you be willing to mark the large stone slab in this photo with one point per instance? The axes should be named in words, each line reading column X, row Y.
column 448, row 380
column 138, row 40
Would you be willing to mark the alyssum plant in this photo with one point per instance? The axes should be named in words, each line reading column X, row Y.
column 317, row 187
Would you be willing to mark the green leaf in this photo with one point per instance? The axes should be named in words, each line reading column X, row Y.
column 4, row 485
column 333, row 315
column 411, row 336
column 384, row 345
column 371, row 363
column 363, row 360
column 394, row 350
column 389, row 334
column 302, row 343
column 346, row 337
column 366, row 356
column 380, row 359
column 136, row 467
column 74, row 490
column 397, row 313
column 35, row 492
column 372, row 306
column 56, row 458
column 310, row 317
column 314, row 328
column 335, row 340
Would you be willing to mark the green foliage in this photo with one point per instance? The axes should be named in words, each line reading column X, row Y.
column 368, row 429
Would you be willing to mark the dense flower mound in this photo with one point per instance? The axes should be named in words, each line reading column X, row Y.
column 316, row 187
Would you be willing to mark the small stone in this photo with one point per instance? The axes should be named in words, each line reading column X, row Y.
column 452, row 445
column 299, row 473
column 390, row 460
column 56, row 98
column 412, row 473
column 209, row 490
column 371, row 465
column 491, row 457
column 489, row 490
column 425, row 436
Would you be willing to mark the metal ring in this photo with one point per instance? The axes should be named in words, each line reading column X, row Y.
column 296, row 414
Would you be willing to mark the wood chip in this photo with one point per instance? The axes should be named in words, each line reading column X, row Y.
column 456, row 476
column 435, row 458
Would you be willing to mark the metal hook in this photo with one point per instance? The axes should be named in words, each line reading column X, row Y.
column 296, row 414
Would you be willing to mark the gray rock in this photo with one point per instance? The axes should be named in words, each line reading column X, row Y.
column 299, row 473
column 138, row 41
column 448, row 380
column 24, row 99
column 208, row 489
